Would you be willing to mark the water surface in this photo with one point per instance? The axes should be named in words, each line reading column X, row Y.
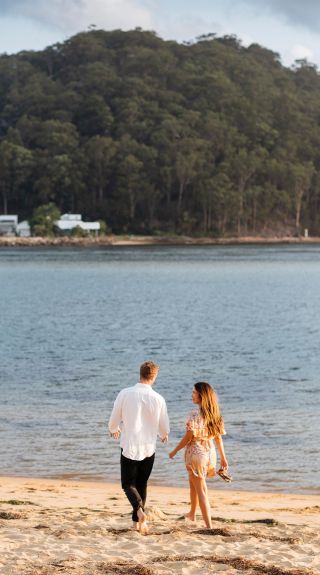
column 77, row 322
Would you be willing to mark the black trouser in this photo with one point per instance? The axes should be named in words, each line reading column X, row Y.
column 134, row 479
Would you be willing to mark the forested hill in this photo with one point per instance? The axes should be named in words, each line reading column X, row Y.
column 151, row 135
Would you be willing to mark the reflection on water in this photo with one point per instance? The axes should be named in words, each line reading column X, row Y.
column 77, row 323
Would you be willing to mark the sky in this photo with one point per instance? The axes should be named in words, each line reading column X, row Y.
column 289, row 27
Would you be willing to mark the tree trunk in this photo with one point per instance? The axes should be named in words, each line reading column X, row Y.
column 254, row 214
column 72, row 203
column 209, row 221
column 241, row 189
column 205, row 213
column 240, row 212
column 225, row 221
column 299, row 197
column 132, row 205
column 152, row 204
column 205, row 216
column 5, row 203
column 180, row 196
column 100, row 192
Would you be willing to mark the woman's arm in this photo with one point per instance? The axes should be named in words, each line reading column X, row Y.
column 184, row 441
column 220, row 447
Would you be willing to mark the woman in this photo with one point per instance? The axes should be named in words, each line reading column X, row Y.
column 203, row 425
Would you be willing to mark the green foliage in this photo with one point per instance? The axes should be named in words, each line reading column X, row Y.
column 16, row 163
column 103, row 228
column 151, row 136
column 43, row 220
column 79, row 232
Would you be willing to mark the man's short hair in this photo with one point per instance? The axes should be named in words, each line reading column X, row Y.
column 148, row 369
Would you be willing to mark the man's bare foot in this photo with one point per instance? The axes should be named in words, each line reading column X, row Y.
column 143, row 525
column 190, row 517
column 135, row 526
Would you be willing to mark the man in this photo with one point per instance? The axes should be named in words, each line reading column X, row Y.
column 143, row 416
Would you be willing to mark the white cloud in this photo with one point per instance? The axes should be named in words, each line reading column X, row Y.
column 185, row 27
column 306, row 13
column 73, row 15
column 299, row 52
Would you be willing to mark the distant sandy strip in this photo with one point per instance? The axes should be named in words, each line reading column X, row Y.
column 131, row 240
column 53, row 527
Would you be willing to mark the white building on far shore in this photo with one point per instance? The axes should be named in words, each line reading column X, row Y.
column 8, row 225
column 68, row 222
column 23, row 229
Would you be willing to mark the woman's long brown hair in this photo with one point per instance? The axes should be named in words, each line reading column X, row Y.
column 209, row 408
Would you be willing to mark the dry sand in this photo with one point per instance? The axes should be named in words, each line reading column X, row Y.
column 51, row 527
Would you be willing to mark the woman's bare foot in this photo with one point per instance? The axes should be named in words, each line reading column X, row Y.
column 135, row 526
column 143, row 525
column 190, row 517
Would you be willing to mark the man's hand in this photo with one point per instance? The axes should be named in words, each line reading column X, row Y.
column 172, row 454
column 164, row 439
column 116, row 434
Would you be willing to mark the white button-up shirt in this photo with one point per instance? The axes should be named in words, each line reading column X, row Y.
column 141, row 414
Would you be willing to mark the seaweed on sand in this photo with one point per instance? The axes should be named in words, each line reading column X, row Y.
column 9, row 515
column 124, row 568
column 226, row 532
column 268, row 521
column 69, row 567
column 18, row 502
column 239, row 563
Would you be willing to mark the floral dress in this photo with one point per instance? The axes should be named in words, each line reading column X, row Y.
column 200, row 453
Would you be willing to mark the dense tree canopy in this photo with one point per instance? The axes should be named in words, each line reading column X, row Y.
column 151, row 135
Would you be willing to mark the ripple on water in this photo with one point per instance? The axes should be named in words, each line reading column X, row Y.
column 76, row 324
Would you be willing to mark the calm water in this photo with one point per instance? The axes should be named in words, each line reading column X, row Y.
column 77, row 323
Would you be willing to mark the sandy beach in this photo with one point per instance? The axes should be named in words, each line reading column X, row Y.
column 49, row 527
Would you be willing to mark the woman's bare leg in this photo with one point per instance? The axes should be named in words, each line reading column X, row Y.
column 202, row 493
column 193, row 499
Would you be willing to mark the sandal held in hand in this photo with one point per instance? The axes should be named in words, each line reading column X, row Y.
column 224, row 475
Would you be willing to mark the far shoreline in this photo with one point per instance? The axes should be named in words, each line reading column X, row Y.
column 136, row 240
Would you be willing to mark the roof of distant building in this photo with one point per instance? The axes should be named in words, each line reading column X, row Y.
column 70, row 217
column 71, row 221
column 9, row 218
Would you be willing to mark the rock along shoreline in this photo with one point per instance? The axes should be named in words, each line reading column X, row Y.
column 133, row 240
